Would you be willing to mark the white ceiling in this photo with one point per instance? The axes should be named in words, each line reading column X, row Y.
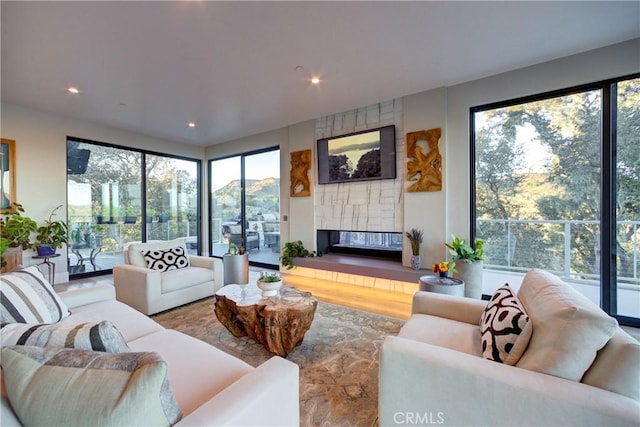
column 151, row 67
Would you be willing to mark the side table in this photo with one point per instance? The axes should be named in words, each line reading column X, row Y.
column 51, row 266
column 442, row 285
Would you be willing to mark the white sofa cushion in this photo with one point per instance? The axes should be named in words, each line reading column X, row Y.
column 128, row 321
column 27, row 297
column 179, row 279
column 568, row 329
column 184, row 354
column 505, row 327
column 102, row 336
column 135, row 250
column 51, row 386
column 441, row 332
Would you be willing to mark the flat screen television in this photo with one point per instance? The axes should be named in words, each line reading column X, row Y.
column 358, row 156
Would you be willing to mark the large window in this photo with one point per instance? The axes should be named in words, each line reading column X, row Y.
column 245, row 205
column 117, row 195
column 557, row 187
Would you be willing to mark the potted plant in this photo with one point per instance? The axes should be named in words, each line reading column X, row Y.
column 442, row 283
column 51, row 236
column 469, row 263
column 293, row 250
column 235, row 265
column 415, row 237
column 269, row 283
column 15, row 235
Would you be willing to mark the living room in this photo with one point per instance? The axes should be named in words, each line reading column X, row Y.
column 41, row 138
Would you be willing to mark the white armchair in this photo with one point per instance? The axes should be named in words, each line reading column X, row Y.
column 151, row 291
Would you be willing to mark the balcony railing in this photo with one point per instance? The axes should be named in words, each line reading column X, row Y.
column 569, row 249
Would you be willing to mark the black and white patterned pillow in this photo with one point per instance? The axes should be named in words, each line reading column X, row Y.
column 505, row 327
column 27, row 297
column 102, row 336
column 167, row 259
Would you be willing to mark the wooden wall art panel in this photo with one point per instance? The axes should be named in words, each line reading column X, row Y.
column 300, row 165
column 424, row 166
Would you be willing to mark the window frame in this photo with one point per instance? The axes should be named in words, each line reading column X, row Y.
column 608, row 162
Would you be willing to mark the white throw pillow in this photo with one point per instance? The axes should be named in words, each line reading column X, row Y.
column 568, row 329
column 27, row 297
column 505, row 327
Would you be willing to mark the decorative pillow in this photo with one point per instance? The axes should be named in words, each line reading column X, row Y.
column 505, row 327
column 27, row 297
column 101, row 336
column 48, row 386
column 166, row 260
column 568, row 329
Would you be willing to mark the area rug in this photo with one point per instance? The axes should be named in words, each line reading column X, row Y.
column 338, row 358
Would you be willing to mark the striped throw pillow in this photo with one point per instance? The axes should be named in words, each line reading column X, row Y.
column 101, row 336
column 71, row 387
column 27, row 297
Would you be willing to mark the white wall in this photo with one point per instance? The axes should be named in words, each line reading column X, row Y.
column 41, row 159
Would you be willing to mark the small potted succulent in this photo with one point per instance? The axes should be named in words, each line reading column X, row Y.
column 269, row 283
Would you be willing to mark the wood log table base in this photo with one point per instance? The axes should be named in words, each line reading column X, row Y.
column 279, row 323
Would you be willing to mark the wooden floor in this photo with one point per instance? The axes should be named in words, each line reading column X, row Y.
column 392, row 304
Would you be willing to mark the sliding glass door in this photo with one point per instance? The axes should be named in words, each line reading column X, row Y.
column 245, row 205
column 117, row 195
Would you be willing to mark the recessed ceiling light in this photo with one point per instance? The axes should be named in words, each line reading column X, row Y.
column 315, row 80
column 73, row 90
column 191, row 124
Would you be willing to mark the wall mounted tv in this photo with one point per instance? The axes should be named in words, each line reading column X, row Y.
column 358, row 156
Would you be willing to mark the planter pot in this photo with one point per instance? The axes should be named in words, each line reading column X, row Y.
column 416, row 262
column 45, row 250
column 471, row 275
column 13, row 259
column 269, row 289
column 235, row 269
column 442, row 285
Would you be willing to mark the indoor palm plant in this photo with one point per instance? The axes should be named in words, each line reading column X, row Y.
column 415, row 237
column 469, row 263
column 51, row 235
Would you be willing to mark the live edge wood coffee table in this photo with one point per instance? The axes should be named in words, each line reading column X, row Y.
column 279, row 323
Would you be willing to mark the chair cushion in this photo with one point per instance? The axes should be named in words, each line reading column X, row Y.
column 505, row 327
column 452, row 334
column 134, row 250
column 185, row 278
column 568, row 329
column 102, row 336
column 27, row 297
column 166, row 259
column 50, row 386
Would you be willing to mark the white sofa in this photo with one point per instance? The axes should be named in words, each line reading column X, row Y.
column 152, row 291
column 434, row 370
column 211, row 387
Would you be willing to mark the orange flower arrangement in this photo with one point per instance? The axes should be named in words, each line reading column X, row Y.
column 444, row 267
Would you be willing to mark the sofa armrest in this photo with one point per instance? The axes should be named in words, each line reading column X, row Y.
column 462, row 389
column 84, row 296
column 267, row 396
column 136, row 286
column 466, row 310
column 212, row 263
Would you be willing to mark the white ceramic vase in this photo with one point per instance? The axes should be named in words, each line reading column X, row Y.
column 416, row 262
column 269, row 289
column 471, row 275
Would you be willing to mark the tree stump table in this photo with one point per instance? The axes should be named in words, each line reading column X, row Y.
column 279, row 323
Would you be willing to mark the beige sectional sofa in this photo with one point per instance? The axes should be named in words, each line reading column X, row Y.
column 579, row 368
column 211, row 387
